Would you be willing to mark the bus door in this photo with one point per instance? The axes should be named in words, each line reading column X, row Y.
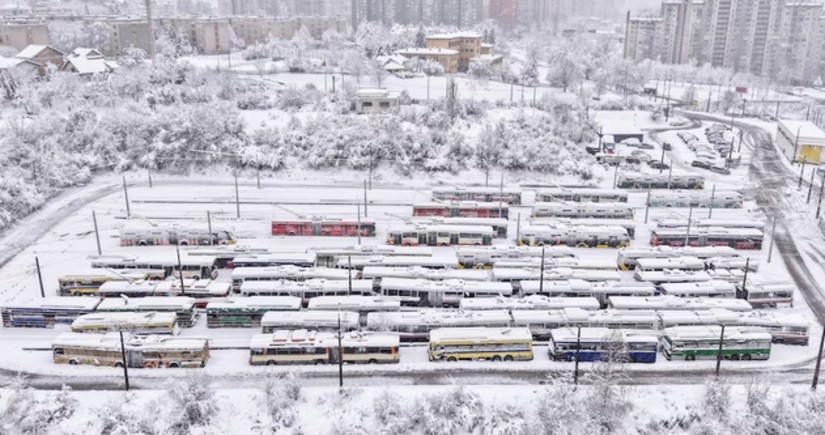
column 613, row 242
column 434, row 299
column 486, row 240
column 422, row 238
column 432, row 238
column 134, row 359
column 454, row 239
column 315, row 229
column 397, row 239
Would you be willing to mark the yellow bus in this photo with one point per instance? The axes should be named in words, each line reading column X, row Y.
column 303, row 346
column 148, row 351
column 139, row 323
column 88, row 282
column 494, row 344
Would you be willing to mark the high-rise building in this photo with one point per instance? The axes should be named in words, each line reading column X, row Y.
column 504, row 12
column 458, row 13
column 643, row 38
column 20, row 35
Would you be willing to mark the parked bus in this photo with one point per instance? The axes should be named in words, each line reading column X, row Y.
column 572, row 263
column 88, row 282
column 628, row 224
column 784, row 328
column 274, row 259
column 669, row 302
column 499, row 226
column 135, row 323
column 732, row 263
column 564, row 194
column 713, row 316
column 311, row 347
column 767, row 293
column 737, row 238
column 708, row 289
column 556, row 274
column 46, row 312
column 357, row 303
column 435, row 263
column 575, row 210
column 307, row 290
column 578, row 237
column 441, row 235
column 602, row 291
column 696, row 198
column 201, row 289
column 148, row 351
column 531, row 302
column 466, row 209
column 324, row 227
column 414, row 326
column 625, row 319
column 379, row 272
column 141, row 235
column 702, row 342
column 184, row 307
column 686, row 264
column 288, row 273
column 420, row 292
column 507, row 195
column 161, row 266
column 542, row 322
column 329, row 257
column 247, row 312
column 329, row 321
column 224, row 254
column 487, row 256
column 602, row 344
column 745, row 221
column 494, row 344
column 629, row 256
column 629, row 180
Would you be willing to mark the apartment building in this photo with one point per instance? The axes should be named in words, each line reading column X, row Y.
column 21, row 34
column 207, row 36
column 261, row 29
column 124, row 34
column 643, row 38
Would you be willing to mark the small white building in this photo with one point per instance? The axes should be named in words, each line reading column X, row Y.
column 800, row 141
column 88, row 61
column 374, row 100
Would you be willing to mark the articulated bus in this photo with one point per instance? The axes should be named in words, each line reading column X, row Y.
column 766, row 293
column 161, row 266
column 507, row 195
column 311, row 347
column 224, row 254
column 602, row 344
column 714, row 316
column 737, row 238
column 493, row 344
column 564, row 194
column 687, row 264
column 784, row 328
column 744, row 222
column 669, row 302
column 88, row 282
column 274, row 259
column 416, row 325
column 288, row 273
column 324, row 227
column 421, row 292
column 578, row 237
column 441, row 235
column 542, row 322
column 331, row 256
column 313, row 320
column 575, row 210
column 307, row 290
column 628, row 224
column 628, row 257
column 625, row 319
column 46, row 312
column 601, row 291
column 697, row 198
column 549, row 263
column 148, row 351
column 142, row 235
column 559, row 273
column 732, row 263
column 500, row 226
column 357, row 303
column 708, row 289
column 184, row 307
column 702, row 342
column 670, row 276
column 379, row 272
column 248, row 312
column 432, row 263
column 135, row 323
column 531, row 302
column 659, row 181
column 486, row 256
column 201, row 289
column 463, row 209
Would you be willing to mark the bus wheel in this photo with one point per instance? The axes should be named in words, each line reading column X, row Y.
column 690, row 357
column 746, row 357
column 118, row 365
column 508, row 357
column 174, row 365
column 142, row 243
column 496, row 358
column 291, row 233
column 317, row 362
column 77, row 293
column 184, row 243
column 452, row 359
column 271, row 362
column 734, row 357
column 479, row 267
column 372, row 361
column 74, row 362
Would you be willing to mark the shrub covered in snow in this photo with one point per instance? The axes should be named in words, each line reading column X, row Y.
column 192, row 402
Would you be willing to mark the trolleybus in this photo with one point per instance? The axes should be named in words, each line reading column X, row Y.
column 247, row 312
column 441, row 235
column 507, row 195
column 184, row 307
column 702, row 342
column 46, row 312
column 556, row 274
column 696, row 198
column 161, row 266
column 532, row 302
column 135, row 323
column 499, row 225
column 467, row 209
column 579, row 237
column 542, row 322
column 357, row 303
column 659, row 181
column 314, row 320
column 420, row 292
column 289, row 273
column 416, row 325
column 148, row 351
column 378, row 272
column 440, row 262
column 582, row 210
column 309, row 289
column 87, row 282
column 784, row 328
column 324, row 227
column 563, row 194
column 668, row 302
column 312, row 347
column 273, row 259
column 485, row 257
column 330, row 256
column 628, row 224
column 494, row 344
column 629, row 256
column 151, row 235
column 602, row 344
column 687, row 264
column 737, row 238
column 707, row 289
column 767, row 293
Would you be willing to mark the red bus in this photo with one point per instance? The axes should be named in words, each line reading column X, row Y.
column 463, row 209
column 736, row 238
column 326, row 227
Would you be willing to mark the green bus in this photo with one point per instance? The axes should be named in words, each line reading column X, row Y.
column 247, row 312
column 702, row 342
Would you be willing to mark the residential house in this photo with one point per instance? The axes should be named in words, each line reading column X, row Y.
column 88, row 61
column 42, row 55
column 374, row 100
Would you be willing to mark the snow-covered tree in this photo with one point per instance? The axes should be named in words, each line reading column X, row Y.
column 530, row 70
column 508, row 419
column 564, row 72
column 457, row 410
column 192, row 402
column 421, row 37
column 378, row 72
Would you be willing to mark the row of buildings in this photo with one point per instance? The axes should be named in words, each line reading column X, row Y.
column 773, row 38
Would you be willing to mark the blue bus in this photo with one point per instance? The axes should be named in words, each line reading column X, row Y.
column 46, row 312
column 602, row 344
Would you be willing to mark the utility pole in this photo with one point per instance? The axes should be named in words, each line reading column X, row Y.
column 237, row 198
column 340, row 353
column 541, row 275
column 819, row 204
column 796, row 146
column 745, row 278
column 799, row 185
column 811, row 186
column 712, row 197
column 578, row 349
column 719, row 354
column 123, row 356
column 97, row 233
column 258, row 176
column 39, row 277
column 358, row 227
column 365, row 200
column 670, row 174
column 180, row 269
column 647, row 203
column 518, row 228
column 126, row 196
column 149, row 171
column 151, row 25
column 690, row 219
column 773, row 233
column 209, row 227
column 349, row 266
column 616, row 174
column 818, row 361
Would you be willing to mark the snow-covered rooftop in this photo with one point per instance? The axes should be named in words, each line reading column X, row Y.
column 807, row 130
column 455, row 35
column 418, row 51
column 31, row 51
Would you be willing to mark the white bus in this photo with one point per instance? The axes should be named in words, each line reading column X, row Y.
column 379, row 272
column 416, row 325
column 314, row 320
column 673, row 263
column 487, row 256
column 582, row 210
column 559, row 273
column 542, row 322
column 360, row 304
column 440, row 262
column 628, row 256
column 499, row 225
column 784, row 328
column 148, row 351
column 441, row 235
column 309, row 289
column 161, row 266
column 696, row 198
column 628, row 224
column 330, row 256
column 184, row 307
column 549, row 263
column 629, row 180
column 311, row 347
column 732, row 263
column 713, row 316
column 745, row 221
column 200, row 289
column 670, row 276
column 247, row 312
column 564, row 194
column 702, row 342
column 507, row 195
column 708, row 289
column 624, row 319
column 274, row 259
column 766, row 293
column 578, row 237
column 420, row 292
column 144, row 235
column 494, row 344
column 135, row 323
column 224, row 253
column 532, row 302
column 289, row 273
column 602, row 291
column 87, row 282
column 661, row 303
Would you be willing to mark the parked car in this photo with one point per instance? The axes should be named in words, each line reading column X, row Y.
column 701, row 163
column 656, row 164
column 719, row 169
column 645, row 146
